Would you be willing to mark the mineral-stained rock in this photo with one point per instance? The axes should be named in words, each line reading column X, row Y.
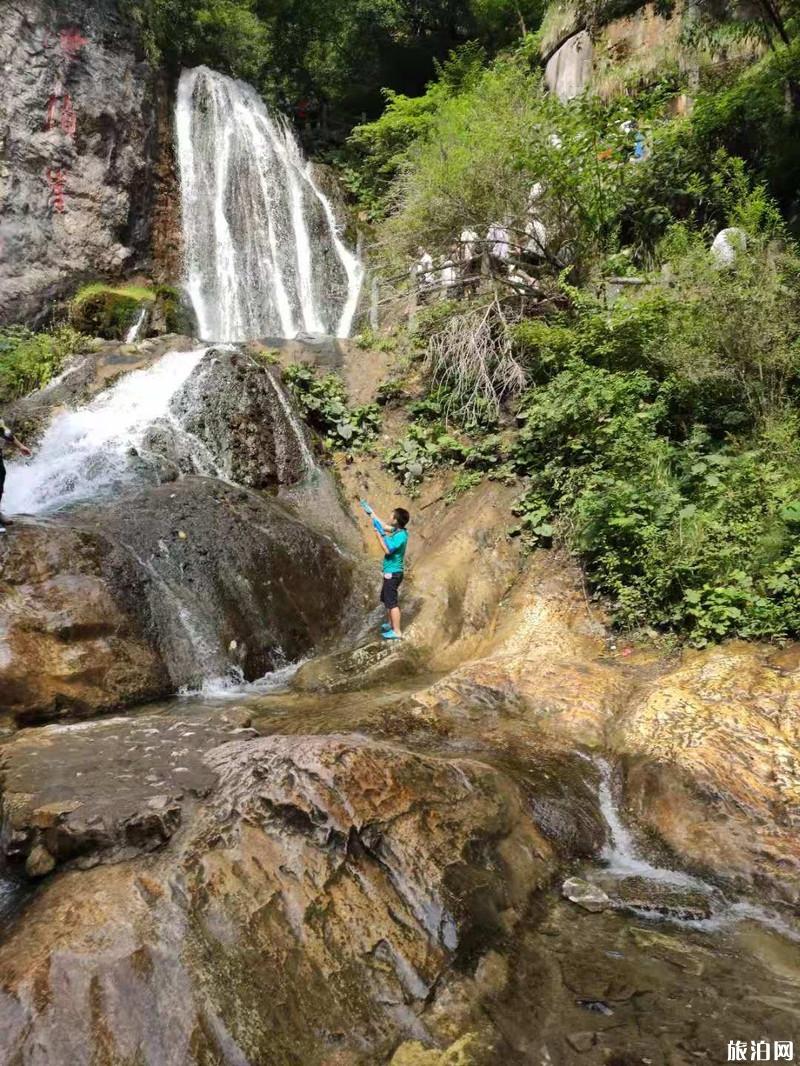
column 324, row 892
column 713, row 764
column 78, row 142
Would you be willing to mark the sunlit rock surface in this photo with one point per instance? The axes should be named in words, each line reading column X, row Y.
column 314, row 905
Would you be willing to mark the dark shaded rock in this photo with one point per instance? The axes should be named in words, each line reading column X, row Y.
column 236, row 407
column 224, row 567
column 117, row 604
column 76, row 180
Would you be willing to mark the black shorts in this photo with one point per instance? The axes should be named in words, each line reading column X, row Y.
column 389, row 586
column 2, row 476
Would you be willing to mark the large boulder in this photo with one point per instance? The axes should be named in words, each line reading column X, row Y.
column 235, row 406
column 120, row 603
column 76, row 153
column 73, row 635
column 330, row 890
column 569, row 70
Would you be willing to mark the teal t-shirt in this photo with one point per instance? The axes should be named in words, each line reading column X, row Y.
column 395, row 561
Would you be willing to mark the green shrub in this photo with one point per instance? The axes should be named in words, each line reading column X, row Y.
column 29, row 360
column 323, row 404
column 431, row 444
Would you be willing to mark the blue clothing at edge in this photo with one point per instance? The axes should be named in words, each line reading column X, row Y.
column 395, row 561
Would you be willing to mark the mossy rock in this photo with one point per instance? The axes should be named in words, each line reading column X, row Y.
column 108, row 311
column 171, row 313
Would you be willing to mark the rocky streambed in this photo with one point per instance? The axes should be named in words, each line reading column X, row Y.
column 509, row 840
column 281, row 877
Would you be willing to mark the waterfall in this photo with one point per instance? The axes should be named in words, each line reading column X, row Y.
column 263, row 255
column 86, row 452
column 133, row 333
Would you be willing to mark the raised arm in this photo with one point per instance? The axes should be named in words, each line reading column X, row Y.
column 21, row 447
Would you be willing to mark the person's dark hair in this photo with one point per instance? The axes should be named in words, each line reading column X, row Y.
column 401, row 516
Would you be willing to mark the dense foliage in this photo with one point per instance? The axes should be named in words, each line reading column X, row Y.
column 310, row 53
column 658, row 430
column 664, row 435
column 29, row 360
column 324, row 405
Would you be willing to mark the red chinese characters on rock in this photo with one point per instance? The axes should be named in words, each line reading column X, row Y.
column 61, row 111
column 72, row 42
column 57, row 181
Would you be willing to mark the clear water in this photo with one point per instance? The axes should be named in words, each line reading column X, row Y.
column 622, row 857
column 263, row 255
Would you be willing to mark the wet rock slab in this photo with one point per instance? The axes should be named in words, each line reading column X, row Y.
column 116, row 603
column 107, row 790
column 323, row 895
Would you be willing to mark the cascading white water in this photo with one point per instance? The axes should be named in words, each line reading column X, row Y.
column 133, row 333
column 86, row 452
column 263, row 256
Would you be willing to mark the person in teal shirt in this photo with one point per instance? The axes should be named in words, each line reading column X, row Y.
column 393, row 540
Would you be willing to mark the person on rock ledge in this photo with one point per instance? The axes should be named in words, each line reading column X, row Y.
column 393, row 540
column 7, row 439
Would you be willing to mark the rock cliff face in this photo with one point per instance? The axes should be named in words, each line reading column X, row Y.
column 78, row 139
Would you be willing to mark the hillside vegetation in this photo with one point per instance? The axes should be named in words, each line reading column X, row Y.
column 653, row 422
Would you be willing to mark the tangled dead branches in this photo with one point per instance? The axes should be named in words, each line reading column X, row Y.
column 472, row 358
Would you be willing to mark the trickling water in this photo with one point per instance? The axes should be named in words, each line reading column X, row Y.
column 623, row 859
column 86, row 452
column 263, row 256
column 133, row 333
column 621, row 854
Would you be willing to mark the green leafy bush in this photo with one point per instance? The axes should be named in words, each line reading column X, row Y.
column 323, row 404
column 431, row 444
column 29, row 360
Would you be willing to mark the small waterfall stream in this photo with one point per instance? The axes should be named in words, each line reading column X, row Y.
column 622, row 858
column 136, row 327
column 263, row 255
column 86, row 452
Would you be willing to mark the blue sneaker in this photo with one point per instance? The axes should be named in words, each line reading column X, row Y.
column 391, row 635
column 385, row 627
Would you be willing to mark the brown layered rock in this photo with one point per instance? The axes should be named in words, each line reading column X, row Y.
column 713, row 763
column 309, row 915
column 68, row 641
